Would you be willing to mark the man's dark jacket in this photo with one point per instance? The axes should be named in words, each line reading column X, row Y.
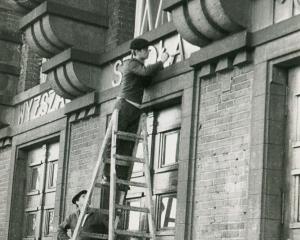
column 136, row 76
column 95, row 222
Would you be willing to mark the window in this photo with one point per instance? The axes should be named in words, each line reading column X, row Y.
column 30, row 224
column 163, row 140
column 134, row 220
column 167, row 211
column 296, row 202
column 41, row 177
column 169, row 148
column 49, row 228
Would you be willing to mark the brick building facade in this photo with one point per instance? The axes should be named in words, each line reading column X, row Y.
column 223, row 115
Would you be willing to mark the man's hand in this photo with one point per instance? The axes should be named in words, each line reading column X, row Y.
column 164, row 56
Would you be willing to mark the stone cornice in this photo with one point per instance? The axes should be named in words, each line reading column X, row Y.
column 228, row 46
column 201, row 22
column 51, row 28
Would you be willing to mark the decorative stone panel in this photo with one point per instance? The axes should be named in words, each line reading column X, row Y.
column 201, row 22
column 84, row 114
column 225, row 63
column 52, row 27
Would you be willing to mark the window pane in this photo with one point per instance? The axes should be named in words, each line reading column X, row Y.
column 167, row 208
column 30, row 224
column 53, row 152
column 133, row 217
column 139, row 154
column 170, row 148
column 49, row 216
column 35, row 179
column 37, row 155
column 52, row 174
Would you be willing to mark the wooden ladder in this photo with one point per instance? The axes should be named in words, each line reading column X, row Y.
column 115, row 159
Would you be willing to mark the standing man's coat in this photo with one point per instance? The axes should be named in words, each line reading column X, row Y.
column 94, row 222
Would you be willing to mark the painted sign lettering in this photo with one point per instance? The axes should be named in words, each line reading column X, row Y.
column 39, row 106
column 178, row 49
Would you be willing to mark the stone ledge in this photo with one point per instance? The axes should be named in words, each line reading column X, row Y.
column 275, row 31
column 80, row 103
column 228, row 46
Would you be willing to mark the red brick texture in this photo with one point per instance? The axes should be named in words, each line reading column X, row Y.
column 220, row 207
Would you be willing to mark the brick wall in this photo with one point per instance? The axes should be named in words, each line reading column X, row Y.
column 223, row 157
column 4, row 176
column 121, row 22
column 30, row 68
column 86, row 135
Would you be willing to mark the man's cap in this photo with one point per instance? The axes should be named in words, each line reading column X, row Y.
column 77, row 196
column 139, row 43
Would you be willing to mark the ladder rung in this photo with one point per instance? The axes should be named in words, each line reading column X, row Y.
column 102, row 210
column 94, row 235
column 133, row 233
column 102, row 184
column 128, row 136
column 130, row 208
column 119, row 163
column 123, row 182
column 129, row 158
column 131, row 183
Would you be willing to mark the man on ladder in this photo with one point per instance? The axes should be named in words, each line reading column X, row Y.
column 125, row 121
column 135, row 78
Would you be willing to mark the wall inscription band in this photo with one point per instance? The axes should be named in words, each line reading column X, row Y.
column 178, row 48
column 39, row 106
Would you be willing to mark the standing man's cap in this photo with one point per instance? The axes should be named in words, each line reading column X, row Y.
column 77, row 196
column 139, row 43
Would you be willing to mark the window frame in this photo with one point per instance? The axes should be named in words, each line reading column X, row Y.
column 41, row 210
column 164, row 230
column 162, row 149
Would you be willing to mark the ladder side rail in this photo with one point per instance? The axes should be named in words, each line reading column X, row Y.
column 112, row 189
column 151, row 214
column 130, row 170
column 99, row 168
